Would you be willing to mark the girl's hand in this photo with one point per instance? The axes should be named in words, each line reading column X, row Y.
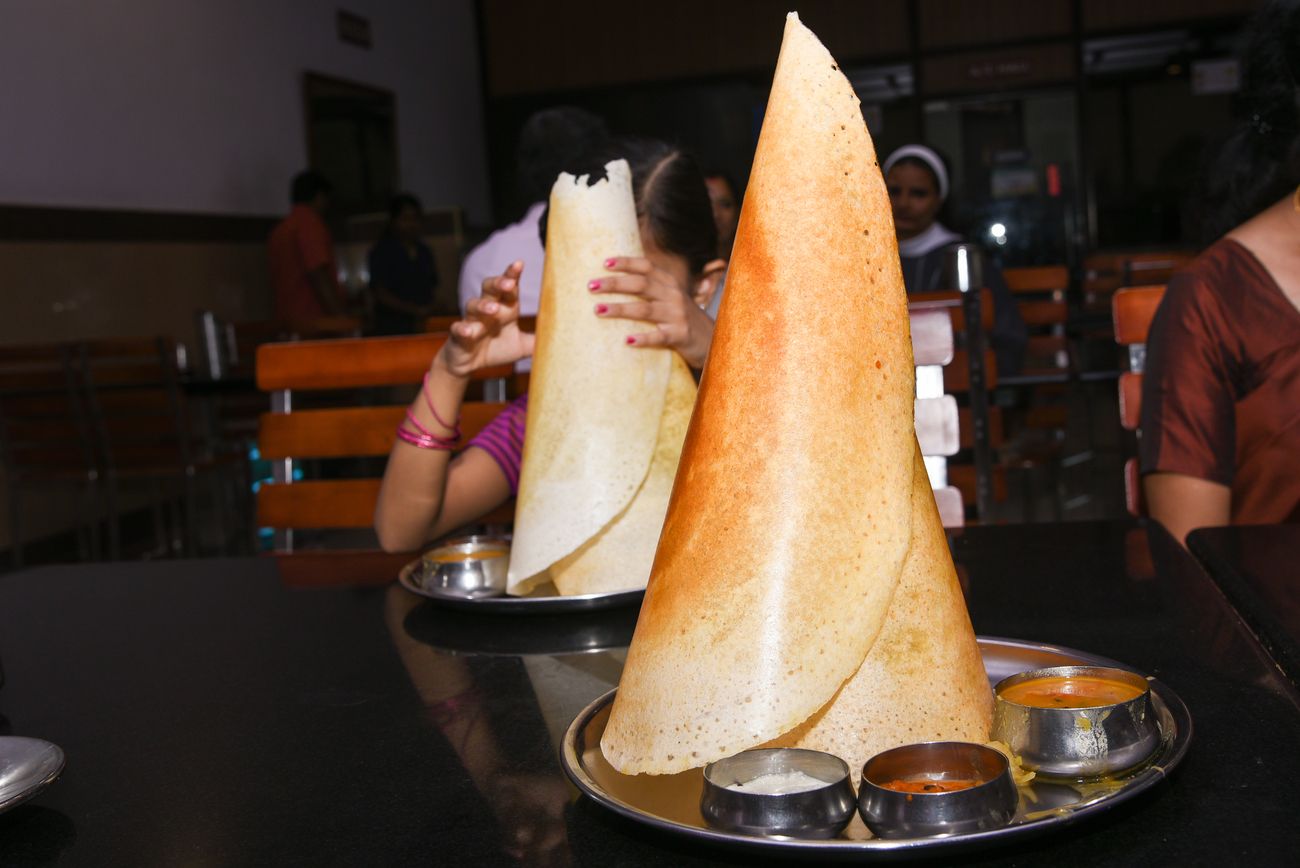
column 489, row 334
column 679, row 322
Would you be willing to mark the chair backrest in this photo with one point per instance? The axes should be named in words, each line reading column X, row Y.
column 1106, row 272
column 1132, row 310
column 344, row 429
column 1041, row 296
column 43, row 425
column 937, row 423
column 978, row 422
column 139, row 417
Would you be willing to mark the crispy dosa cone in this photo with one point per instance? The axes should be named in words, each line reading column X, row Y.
column 791, row 514
column 605, row 422
column 924, row 679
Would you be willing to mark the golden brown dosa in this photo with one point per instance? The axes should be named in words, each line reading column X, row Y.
column 605, row 421
column 794, row 510
column 924, row 679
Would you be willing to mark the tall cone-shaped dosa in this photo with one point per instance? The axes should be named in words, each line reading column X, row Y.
column 605, row 422
column 802, row 591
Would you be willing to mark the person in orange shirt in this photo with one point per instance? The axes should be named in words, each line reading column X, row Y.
column 303, row 272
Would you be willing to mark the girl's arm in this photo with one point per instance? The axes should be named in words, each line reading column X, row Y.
column 425, row 492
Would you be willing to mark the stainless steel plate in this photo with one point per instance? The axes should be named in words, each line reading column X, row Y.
column 672, row 802
column 27, row 766
column 411, row 576
column 480, row 635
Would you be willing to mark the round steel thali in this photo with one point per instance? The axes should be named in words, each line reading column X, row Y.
column 541, row 604
column 671, row 802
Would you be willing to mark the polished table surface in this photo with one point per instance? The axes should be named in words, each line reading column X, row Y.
column 221, row 712
column 1258, row 568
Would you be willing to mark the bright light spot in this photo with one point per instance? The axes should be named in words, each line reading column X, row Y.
column 997, row 230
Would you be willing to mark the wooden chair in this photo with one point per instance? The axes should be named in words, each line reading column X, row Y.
column 936, row 413
column 1105, row 272
column 1040, row 294
column 145, row 432
column 969, row 377
column 290, row 433
column 1049, row 386
column 45, row 442
column 1132, row 310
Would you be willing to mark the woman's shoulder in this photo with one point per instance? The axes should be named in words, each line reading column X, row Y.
column 1226, row 267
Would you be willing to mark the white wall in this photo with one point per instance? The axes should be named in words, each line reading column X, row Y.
column 196, row 105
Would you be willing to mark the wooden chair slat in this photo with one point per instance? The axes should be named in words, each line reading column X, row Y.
column 932, row 340
column 1133, row 498
column 952, row 302
column 956, row 376
column 350, row 431
column 345, row 363
column 937, row 425
column 349, row 363
column 1044, row 312
column 1132, row 309
column 1130, row 400
column 1038, row 278
column 952, row 512
column 318, row 503
column 966, row 428
column 334, row 504
column 962, row 477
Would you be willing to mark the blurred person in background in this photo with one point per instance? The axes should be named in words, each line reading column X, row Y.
column 549, row 139
column 917, row 180
column 403, row 274
column 1221, row 393
column 725, row 197
column 304, row 275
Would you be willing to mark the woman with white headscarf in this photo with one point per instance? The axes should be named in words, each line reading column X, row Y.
column 917, row 180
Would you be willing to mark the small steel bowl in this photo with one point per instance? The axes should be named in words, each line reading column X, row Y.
column 821, row 812
column 1077, row 743
column 889, row 813
column 471, row 566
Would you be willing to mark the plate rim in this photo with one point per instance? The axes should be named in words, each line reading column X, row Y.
column 520, row 605
column 33, row 789
column 1143, row 780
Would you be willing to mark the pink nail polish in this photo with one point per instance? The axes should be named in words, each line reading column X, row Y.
column 631, row 339
column 611, row 262
column 602, row 308
column 593, row 285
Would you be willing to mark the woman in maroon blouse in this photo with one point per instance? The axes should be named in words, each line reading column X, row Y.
column 1221, row 395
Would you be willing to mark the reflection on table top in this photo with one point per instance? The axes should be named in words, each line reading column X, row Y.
column 1258, row 568
column 214, row 711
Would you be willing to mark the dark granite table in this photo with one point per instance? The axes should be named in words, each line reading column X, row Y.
column 215, row 712
column 1258, row 568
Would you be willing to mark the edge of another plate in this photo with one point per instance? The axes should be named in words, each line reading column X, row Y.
column 506, row 605
column 52, row 765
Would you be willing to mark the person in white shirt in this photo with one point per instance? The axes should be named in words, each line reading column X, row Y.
column 548, row 139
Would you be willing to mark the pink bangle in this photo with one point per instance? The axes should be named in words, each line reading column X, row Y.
column 455, row 434
column 422, row 442
column 428, row 402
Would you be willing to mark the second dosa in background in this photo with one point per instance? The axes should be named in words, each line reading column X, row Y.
column 427, row 492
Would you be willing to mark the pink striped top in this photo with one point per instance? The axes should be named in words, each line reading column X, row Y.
column 503, row 439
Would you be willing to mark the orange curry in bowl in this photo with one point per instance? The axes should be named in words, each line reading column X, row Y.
column 1071, row 691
